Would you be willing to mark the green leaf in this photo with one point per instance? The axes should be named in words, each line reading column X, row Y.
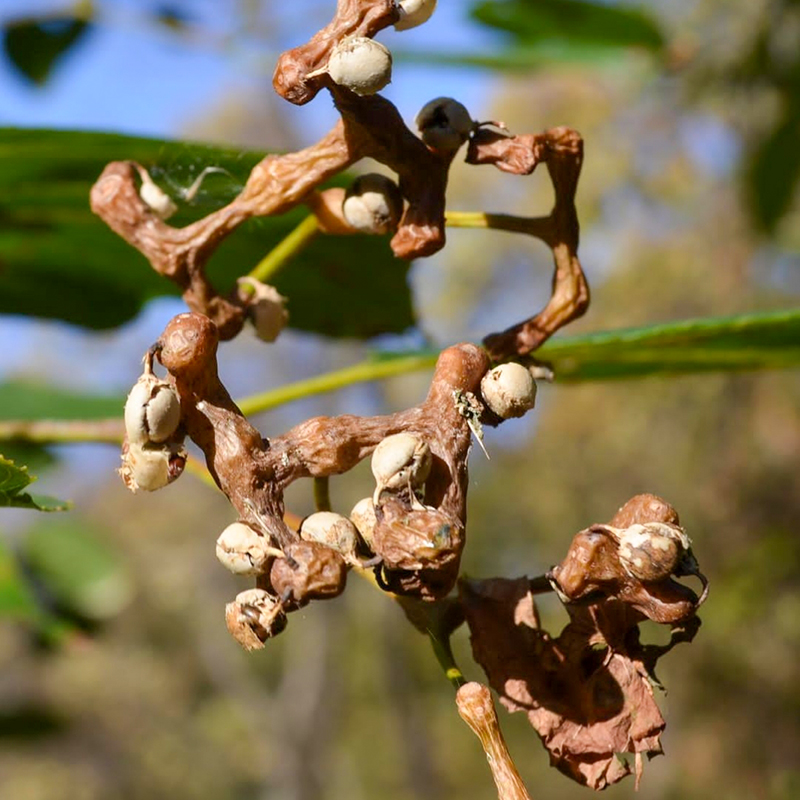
column 57, row 260
column 29, row 401
column 13, row 480
column 745, row 342
column 73, row 564
column 533, row 22
column 16, row 599
column 34, row 46
column 774, row 170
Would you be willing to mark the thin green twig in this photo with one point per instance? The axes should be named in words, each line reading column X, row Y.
column 299, row 238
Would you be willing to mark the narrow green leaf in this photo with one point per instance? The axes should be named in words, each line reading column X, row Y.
column 59, row 261
column 537, row 21
column 749, row 341
column 29, row 401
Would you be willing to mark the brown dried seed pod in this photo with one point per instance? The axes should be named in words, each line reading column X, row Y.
column 151, row 466
column 266, row 307
column 400, row 461
column 373, row 204
column 152, row 410
column 332, row 530
column 651, row 551
column 311, row 571
column 243, row 550
column 444, row 124
column 254, row 617
column 509, row 390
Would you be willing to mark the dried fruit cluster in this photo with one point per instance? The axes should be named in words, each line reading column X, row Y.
column 585, row 691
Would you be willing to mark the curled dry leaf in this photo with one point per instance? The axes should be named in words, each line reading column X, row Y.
column 587, row 692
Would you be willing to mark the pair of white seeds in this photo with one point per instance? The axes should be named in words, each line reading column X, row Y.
column 154, row 457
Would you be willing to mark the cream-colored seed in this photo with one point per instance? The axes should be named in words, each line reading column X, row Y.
column 373, row 204
column 254, row 617
column 242, row 550
column 444, row 124
column 509, row 390
column 414, row 13
column 332, row 530
column 152, row 410
column 150, row 467
column 360, row 64
column 266, row 307
column 363, row 517
column 400, row 460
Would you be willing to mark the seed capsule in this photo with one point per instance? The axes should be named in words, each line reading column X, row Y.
column 399, row 461
column 652, row 551
column 509, row 390
column 360, row 64
column 414, row 13
column 332, row 530
column 254, row 617
column 444, row 124
column 152, row 410
column 243, row 551
column 151, row 466
column 266, row 307
column 373, row 204
column 363, row 517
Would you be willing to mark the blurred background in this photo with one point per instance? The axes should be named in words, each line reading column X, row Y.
column 117, row 676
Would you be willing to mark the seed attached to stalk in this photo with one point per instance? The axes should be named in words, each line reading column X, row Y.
column 373, row 204
column 399, row 461
column 332, row 530
column 363, row 517
column 509, row 390
column 414, row 13
column 151, row 466
column 652, row 551
column 244, row 551
column 444, row 124
column 152, row 410
column 359, row 64
column 266, row 307
column 253, row 617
